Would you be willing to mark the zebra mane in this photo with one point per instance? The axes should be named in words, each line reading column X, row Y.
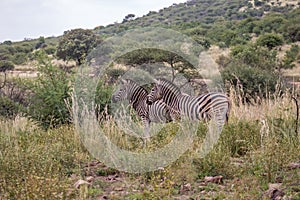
column 164, row 83
column 137, row 93
column 131, row 82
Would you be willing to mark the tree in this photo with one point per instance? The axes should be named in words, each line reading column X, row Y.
column 252, row 81
column 76, row 44
column 270, row 40
column 290, row 57
column 19, row 58
column 149, row 55
column 5, row 66
column 7, row 42
column 253, row 69
column 202, row 41
column 292, row 31
column 255, row 56
column 41, row 43
column 128, row 17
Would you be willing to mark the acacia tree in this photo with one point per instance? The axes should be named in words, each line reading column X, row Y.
column 76, row 44
column 128, row 18
column 150, row 55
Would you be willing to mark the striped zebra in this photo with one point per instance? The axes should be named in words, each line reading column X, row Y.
column 137, row 95
column 203, row 107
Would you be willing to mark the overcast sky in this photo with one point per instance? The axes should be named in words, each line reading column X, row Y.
column 21, row 19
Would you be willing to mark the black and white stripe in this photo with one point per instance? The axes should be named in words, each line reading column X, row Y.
column 204, row 106
column 137, row 95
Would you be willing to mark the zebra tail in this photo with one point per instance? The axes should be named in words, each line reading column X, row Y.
column 228, row 110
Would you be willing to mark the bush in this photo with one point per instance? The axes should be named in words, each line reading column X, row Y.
column 254, row 81
column 13, row 97
column 51, row 90
column 290, row 57
column 202, row 41
column 20, row 58
column 36, row 163
column 270, row 40
column 8, row 108
column 50, row 50
column 103, row 98
column 6, row 65
column 7, row 42
column 255, row 56
column 292, row 31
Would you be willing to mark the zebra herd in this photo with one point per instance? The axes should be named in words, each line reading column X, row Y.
column 137, row 96
column 166, row 103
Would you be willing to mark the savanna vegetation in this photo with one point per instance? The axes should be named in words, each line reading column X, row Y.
column 256, row 47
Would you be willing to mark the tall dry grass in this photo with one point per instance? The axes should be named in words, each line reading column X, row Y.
column 36, row 164
column 255, row 148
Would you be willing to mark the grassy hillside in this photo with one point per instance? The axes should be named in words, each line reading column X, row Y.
column 257, row 156
column 222, row 23
column 196, row 12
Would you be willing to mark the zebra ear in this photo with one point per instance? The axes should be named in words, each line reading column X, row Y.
column 123, row 81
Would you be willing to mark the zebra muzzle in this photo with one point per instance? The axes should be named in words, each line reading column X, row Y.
column 148, row 102
column 113, row 99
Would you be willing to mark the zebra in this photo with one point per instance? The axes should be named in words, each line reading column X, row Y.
column 137, row 95
column 202, row 107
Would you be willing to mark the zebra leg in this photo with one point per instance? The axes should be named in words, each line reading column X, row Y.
column 146, row 137
column 219, row 116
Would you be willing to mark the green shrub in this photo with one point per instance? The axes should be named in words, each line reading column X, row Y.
column 103, row 98
column 6, row 65
column 7, row 42
column 5, row 53
column 19, row 58
column 50, row 50
column 241, row 137
column 13, row 97
column 290, row 57
column 254, row 56
column 202, row 41
column 51, row 90
column 36, row 163
column 270, row 40
column 253, row 81
column 25, row 47
column 8, row 108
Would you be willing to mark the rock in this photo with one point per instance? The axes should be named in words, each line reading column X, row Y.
column 185, row 187
column 81, row 182
column 118, row 189
column 294, row 165
column 89, row 179
column 274, row 192
column 213, row 179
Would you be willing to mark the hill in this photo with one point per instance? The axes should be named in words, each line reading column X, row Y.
column 197, row 12
column 43, row 154
column 221, row 23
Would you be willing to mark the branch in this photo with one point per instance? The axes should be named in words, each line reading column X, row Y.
column 4, row 82
column 297, row 114
column 173, row 71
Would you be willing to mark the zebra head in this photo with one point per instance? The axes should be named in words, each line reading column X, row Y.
column 155, row 93
column 122, row 93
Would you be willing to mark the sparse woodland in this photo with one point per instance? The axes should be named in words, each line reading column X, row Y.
column 256, row 45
